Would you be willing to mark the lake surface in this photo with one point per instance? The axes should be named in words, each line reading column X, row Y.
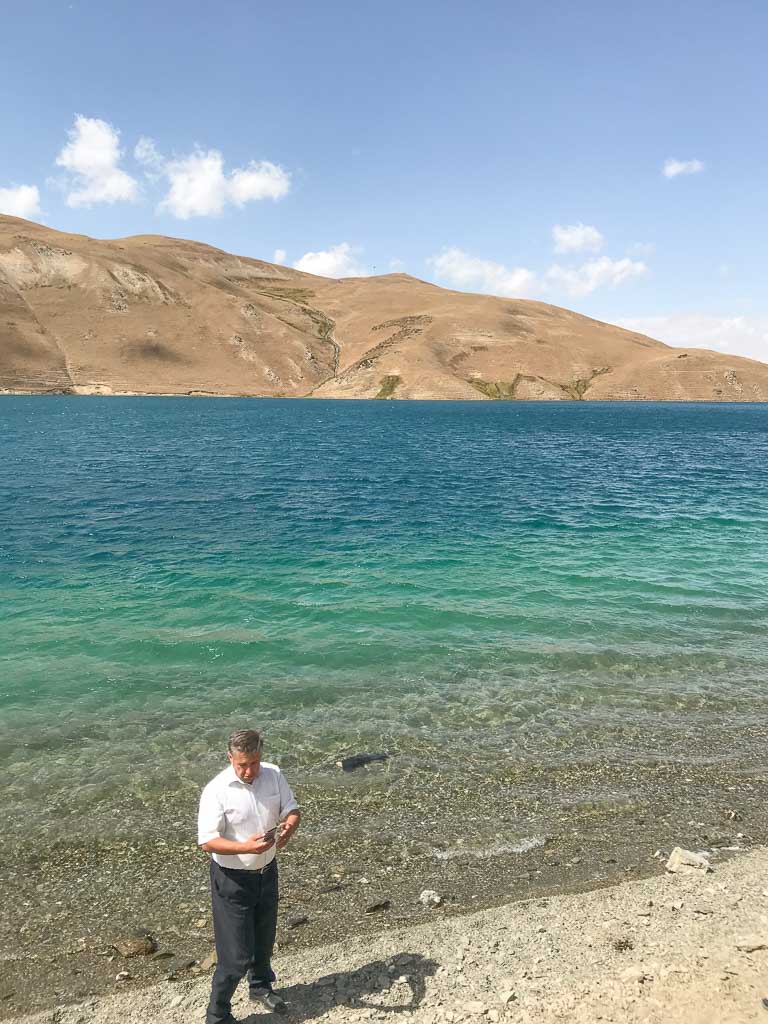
column 463, row 585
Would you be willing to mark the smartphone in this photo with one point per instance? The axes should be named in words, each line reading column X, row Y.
column 271, row 833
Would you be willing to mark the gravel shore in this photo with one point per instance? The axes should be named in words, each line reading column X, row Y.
column 672, row 949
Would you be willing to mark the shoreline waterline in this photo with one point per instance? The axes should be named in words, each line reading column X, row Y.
column 660, row 919
column 69, row 903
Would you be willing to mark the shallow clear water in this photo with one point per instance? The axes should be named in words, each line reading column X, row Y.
column 457, row 583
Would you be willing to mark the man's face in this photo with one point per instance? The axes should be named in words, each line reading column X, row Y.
column 247, row 766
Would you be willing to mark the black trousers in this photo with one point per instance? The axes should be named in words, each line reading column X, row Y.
column 244, row 925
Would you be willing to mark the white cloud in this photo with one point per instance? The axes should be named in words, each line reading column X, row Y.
column 469, row 273
column 577, row 238
column 92, row 156
column 672, row 168
column 738, row 335
column 146, row 152
column 259, row 180
column 396, row 266
column 595, row 274
column 280, row 256
column 200, row 188
column 338, row 261
column 20, row 201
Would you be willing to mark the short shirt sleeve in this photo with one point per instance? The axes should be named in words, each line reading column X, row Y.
column 288, row 801
column 210, row 817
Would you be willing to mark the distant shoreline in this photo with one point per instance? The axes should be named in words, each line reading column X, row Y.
column 359, row 398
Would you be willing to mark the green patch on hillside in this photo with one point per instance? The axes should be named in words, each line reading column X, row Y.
column 577, row 388
column 496, row 389
column 388, row 386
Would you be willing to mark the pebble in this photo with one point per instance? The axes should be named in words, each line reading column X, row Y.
column 633, row 975
column 687, row 863
column 139, row 944
column 176, row 1001
column 430, row 898
column 373, row 908
column 751, row 945
column 474, row 1006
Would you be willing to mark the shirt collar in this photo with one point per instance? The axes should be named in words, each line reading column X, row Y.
column 230, row 776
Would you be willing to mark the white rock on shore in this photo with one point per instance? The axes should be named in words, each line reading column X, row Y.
column 641, row 951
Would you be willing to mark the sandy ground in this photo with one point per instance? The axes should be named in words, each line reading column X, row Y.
column 664, row 950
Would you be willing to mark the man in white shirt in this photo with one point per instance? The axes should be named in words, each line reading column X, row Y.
column 246, row 813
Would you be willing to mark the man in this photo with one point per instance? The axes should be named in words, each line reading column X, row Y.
column 246, row 812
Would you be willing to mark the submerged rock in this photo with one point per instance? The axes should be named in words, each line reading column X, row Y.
column 354, row 761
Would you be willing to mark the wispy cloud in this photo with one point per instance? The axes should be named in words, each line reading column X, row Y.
column 641, row 249
column 338, row 261
column 91, row 157
column 146, row 153
column 577, row 238
column 673, row 168
column 458, row 269
column 20, row 201
column 738, row 335
column 280, row 256
column 594, row 274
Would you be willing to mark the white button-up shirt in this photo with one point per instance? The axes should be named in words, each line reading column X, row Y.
column 233, row 809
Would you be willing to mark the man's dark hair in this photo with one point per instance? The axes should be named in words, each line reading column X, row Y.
column 245, row 741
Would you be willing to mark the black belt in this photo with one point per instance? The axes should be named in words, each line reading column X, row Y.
column 247, row 871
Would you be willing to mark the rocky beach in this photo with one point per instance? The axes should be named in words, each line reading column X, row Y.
column 689, row 947
column 71, row 909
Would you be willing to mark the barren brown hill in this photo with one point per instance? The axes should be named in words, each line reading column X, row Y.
column 155, row 315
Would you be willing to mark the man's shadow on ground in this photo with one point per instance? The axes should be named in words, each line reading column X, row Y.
column 369, row 987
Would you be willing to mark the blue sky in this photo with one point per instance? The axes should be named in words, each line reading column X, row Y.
column 608, row 157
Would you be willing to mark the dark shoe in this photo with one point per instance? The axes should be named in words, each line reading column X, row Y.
column 271, row 1000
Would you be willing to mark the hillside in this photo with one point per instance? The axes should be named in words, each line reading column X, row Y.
column 156, row 315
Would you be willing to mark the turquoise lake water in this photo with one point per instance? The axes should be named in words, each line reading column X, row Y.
column 450, row 582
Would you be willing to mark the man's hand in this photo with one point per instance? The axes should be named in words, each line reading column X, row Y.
column 235, row 847
column 287, row 829
column 259, row 843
